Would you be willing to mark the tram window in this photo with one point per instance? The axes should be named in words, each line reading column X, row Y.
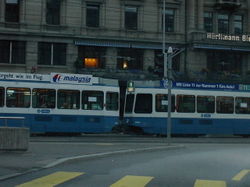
column 242, row 105
column 185, row 103
column 129, row 103
column 1, row 97
column 161, row 104
column 68, row 99
column 224, row 105
column 43, row 98
column 92, row 100
column 111, row 101
column 205, row 104
column 18, row 97
column 143, row 103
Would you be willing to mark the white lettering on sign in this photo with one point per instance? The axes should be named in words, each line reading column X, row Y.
column 73, row 78
column 23, row 76
column 228, row 37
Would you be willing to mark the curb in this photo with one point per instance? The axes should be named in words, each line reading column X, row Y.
column 67, row 159
column 63, row 160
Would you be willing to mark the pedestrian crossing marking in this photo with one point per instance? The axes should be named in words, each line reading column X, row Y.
column 132, row 181
column 240, row 175
column 51, row 180
column 209, row 183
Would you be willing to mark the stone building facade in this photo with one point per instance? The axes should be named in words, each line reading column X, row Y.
column 123, row 38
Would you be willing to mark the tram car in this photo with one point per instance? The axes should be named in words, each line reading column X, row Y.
column 64, row 103
column 197, row 108
column 73, row 103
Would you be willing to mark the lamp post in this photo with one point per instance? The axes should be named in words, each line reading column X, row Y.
column 169, row 77
column 167, row 62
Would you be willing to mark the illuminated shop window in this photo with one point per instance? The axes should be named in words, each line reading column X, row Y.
column 91, row 62
column 130, row 59
column 92, row 57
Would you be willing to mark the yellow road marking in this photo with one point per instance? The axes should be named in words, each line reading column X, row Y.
column 209, row 183
column 240, row 175
column 132, row 181
column 51, row 180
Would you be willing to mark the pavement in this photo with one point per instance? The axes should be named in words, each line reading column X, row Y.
column 49, row 151
column 46, row 151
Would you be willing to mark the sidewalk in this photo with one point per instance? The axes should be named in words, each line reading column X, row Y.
column 45, row 152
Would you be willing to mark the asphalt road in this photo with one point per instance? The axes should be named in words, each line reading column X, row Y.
column 196, row 165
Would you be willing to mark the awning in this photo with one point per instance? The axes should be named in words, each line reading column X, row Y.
column 221, row 47
column 146, row 46
column 138, row 45
column 102, row 43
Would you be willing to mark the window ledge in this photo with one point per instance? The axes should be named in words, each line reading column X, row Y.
column 132, row 31
column 133, row 2
column 54, row 27
column 51, row 66
column 14, row 25
column 16, row 65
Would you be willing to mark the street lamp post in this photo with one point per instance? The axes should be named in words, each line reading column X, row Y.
column 169, row 78
column 167, row 62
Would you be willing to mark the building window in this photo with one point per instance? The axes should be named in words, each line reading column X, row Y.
column 223, row 23
column 238, row 24
column 169, row 20
column 159, row 66
column 130, row 59
column 12, row 52
column 51, row 53
column 93, row 15
column 53, row 12
column 131, row 18
column 92, row 57
column 12, row 8
column 208, row 21
column 224, row 63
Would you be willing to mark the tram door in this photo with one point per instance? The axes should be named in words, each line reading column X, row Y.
column 123, row 87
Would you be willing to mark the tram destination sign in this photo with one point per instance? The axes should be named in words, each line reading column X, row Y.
column 208, row 86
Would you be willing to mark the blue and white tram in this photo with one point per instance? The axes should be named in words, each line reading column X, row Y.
column 201, row 109
column 59, row 102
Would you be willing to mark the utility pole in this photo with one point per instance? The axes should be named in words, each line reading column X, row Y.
column 169, row 65
column 167, row 60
